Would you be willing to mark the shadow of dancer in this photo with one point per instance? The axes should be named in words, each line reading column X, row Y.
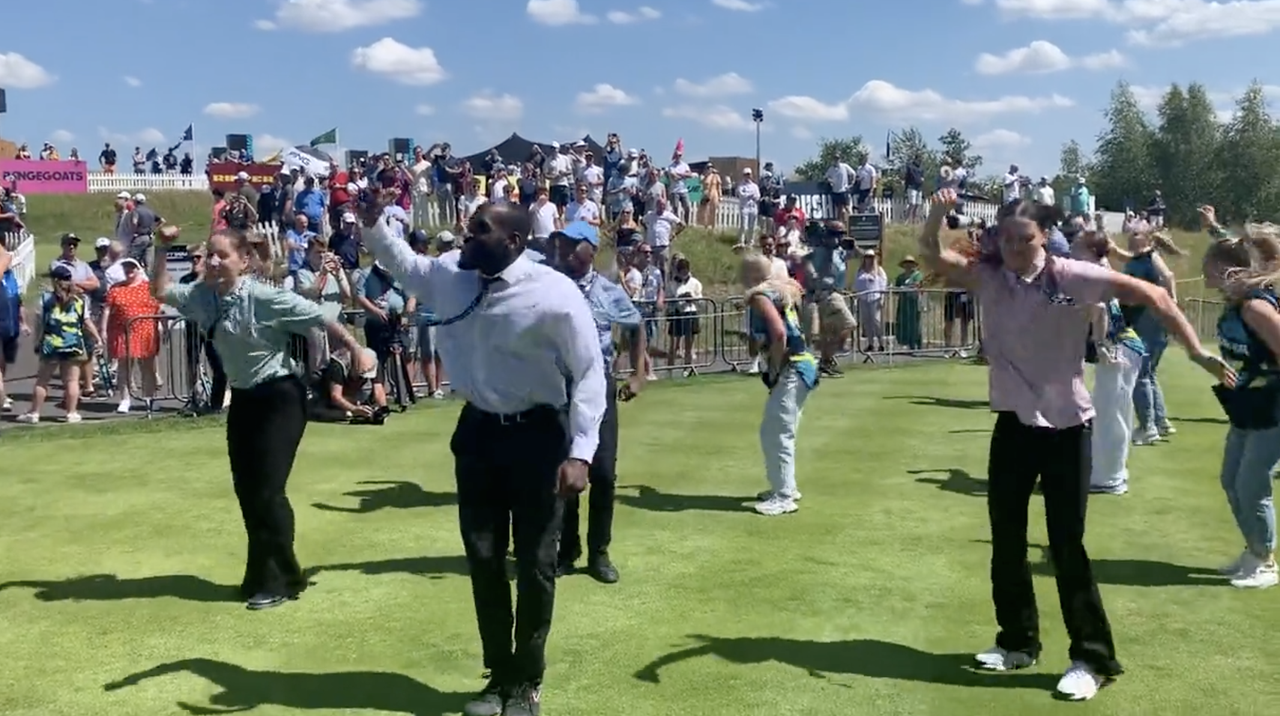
column 109, row 587
column 393, row 495
column 1132, row 572
column 245, row 689
column 934, row 401
column 431, row 567
column 653, row 500
column 958, row 481
column 868, row 658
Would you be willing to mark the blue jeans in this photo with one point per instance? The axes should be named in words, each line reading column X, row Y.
column 1248, row 459
column 1148, row 399
column 778, row 430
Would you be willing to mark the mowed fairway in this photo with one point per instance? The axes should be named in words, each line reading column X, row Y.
column 120, row 548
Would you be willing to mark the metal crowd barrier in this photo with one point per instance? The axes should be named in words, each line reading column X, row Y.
column 1203, row 315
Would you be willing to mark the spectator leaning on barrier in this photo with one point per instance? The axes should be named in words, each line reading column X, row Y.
column 683, row 293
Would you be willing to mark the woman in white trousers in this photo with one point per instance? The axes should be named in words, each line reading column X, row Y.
column 1120, row 352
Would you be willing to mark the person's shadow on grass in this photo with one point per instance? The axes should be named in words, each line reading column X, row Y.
column 936, row 402
column 392, row 495
column 868, row 658
column 958, row 481
column 1132, row 572
column 109, row 587
column 245, row 690
column 653, row 500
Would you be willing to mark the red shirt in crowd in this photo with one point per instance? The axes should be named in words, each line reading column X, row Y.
column 338, row 194
column 780, row 219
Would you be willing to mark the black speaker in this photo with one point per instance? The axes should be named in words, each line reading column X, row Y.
column 400, row 148
column 357, row 157
column 218, row 153
column 238, row 142
column 4, row 103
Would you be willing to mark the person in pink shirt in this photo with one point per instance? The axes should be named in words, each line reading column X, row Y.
column 1036, row 315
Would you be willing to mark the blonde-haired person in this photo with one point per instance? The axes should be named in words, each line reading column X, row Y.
column 790, row 374
column 1246, row 271
column 1147, row 264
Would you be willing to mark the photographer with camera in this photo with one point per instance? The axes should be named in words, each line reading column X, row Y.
column 384, row 303
column 347, row 395
column 827, row 314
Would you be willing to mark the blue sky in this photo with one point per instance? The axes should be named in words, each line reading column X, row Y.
column 1019, row 77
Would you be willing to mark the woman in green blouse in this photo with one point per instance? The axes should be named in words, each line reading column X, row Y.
column 250, row 324
column 907, row 317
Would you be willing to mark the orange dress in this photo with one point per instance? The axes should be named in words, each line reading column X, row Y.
column 126, row 304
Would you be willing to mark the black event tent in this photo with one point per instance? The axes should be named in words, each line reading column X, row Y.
column 518, row 149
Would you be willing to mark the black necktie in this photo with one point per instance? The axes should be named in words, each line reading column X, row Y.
column 485, row 283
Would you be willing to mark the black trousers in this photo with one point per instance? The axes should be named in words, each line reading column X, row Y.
column 196, row 346
column 264, row 426
column 506, row 469
column 1062, row 460
column 604, row 484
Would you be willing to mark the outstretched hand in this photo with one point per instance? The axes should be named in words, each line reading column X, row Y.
column 169, row 234
column 1217, row 367
column 375, row 203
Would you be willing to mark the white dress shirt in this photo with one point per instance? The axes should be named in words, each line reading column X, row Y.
column 531, row 341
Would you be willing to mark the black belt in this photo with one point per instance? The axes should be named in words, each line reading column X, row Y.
column 534, row 414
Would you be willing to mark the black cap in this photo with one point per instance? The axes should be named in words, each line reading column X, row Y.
column 60, row 273
column 70, row 238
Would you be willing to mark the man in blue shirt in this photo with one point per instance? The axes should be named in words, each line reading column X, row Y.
column 610, row 306
column 312, row 203
column 297, row 239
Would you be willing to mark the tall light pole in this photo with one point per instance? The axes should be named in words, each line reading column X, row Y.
column 757, row 116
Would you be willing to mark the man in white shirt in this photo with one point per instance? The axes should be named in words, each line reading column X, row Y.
column 1011, row 186
column 593, row 176
column 469, row 202
column 1043, row 193
column 498, row 185
column 558, row 169
column 544, row 219
column 868, row 176
column 661, row 226
column 582, row 208
column 520, row 345
column 678, row 174
column 840, row 176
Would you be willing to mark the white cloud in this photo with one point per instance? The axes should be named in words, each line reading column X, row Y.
column 132, row 81
column 714, row 117
column 17, row 72
column 264, row 145
column 801, row 132
column 887, row 101
column 726, row 85
column 399, row 62
column 1165, row 23
column 739, row 5
column 231, row 110
column 61, row 136
column 641, row 14
column 145, row 138
column 339, row 15
column 424, row 110
column 557, row 12
column 1041, row 57
column 602, row 97
column 493, row 108
column 1000, row 139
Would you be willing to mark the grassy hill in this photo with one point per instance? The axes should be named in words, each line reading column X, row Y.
column 711, row 254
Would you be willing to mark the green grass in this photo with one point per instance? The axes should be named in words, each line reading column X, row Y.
column 865, row 602
column 710, row 253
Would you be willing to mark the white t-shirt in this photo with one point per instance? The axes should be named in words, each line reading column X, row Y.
column 1043, row 195
column 658, row 228
column 748, row 197
column 467, row 206
column 689, row 289
column 593, row 177
column 1012, row 192
column 678, row 172
column 544, row 220
column 867, row 176
column 634, row 281
column 559, row 169
column 498, row 189
column 840, row 177
column 586, row 211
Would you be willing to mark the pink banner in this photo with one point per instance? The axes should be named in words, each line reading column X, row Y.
column 45, row 177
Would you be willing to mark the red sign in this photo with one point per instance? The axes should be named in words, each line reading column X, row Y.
column 223, row 175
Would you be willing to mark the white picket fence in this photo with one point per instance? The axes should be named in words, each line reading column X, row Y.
column 23, row 247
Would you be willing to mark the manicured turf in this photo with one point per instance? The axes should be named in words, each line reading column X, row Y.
column 120, row 544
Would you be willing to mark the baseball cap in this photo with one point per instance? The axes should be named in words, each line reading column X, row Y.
column 446, row 238
column 102, row 242
column 242, row 176
column 348, row 218
column 140, row 198
column 124, row 195
column 60, row 273
column 555, row 145
column 70, row 238
column 130, row 261
column 581, row 231
column 579, row 143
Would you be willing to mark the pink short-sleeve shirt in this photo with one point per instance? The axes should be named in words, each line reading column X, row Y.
column 1034, row 336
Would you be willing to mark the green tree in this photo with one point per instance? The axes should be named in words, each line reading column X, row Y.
column 1073, row 163
column 1123, row 166
column 958, row 150
column 1248, row 155
column 908, row 144
column 1184, row 151
column 830, row 151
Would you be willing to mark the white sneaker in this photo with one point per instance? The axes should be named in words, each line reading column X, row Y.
column 124, row 407
column 72, row 418
column 754, row 369
column 1233, row 569
column 1080, row 683
column 8, row 405
column 776, row 505
column 1150, row 437
column 1166, row 430
column 766, row 495
column 1256, row 573
column 29, row 418
column 651, row 377
column 438, row 395
column 997, row 659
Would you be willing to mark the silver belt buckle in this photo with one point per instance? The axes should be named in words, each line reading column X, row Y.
column 507, row 419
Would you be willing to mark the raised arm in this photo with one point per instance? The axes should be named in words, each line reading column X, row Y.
column 945, row 262
column 579, row 346
column 413, row 271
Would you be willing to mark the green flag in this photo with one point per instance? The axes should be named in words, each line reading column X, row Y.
column 329, row 137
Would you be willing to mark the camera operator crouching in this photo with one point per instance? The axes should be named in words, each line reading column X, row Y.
column 344, row 395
